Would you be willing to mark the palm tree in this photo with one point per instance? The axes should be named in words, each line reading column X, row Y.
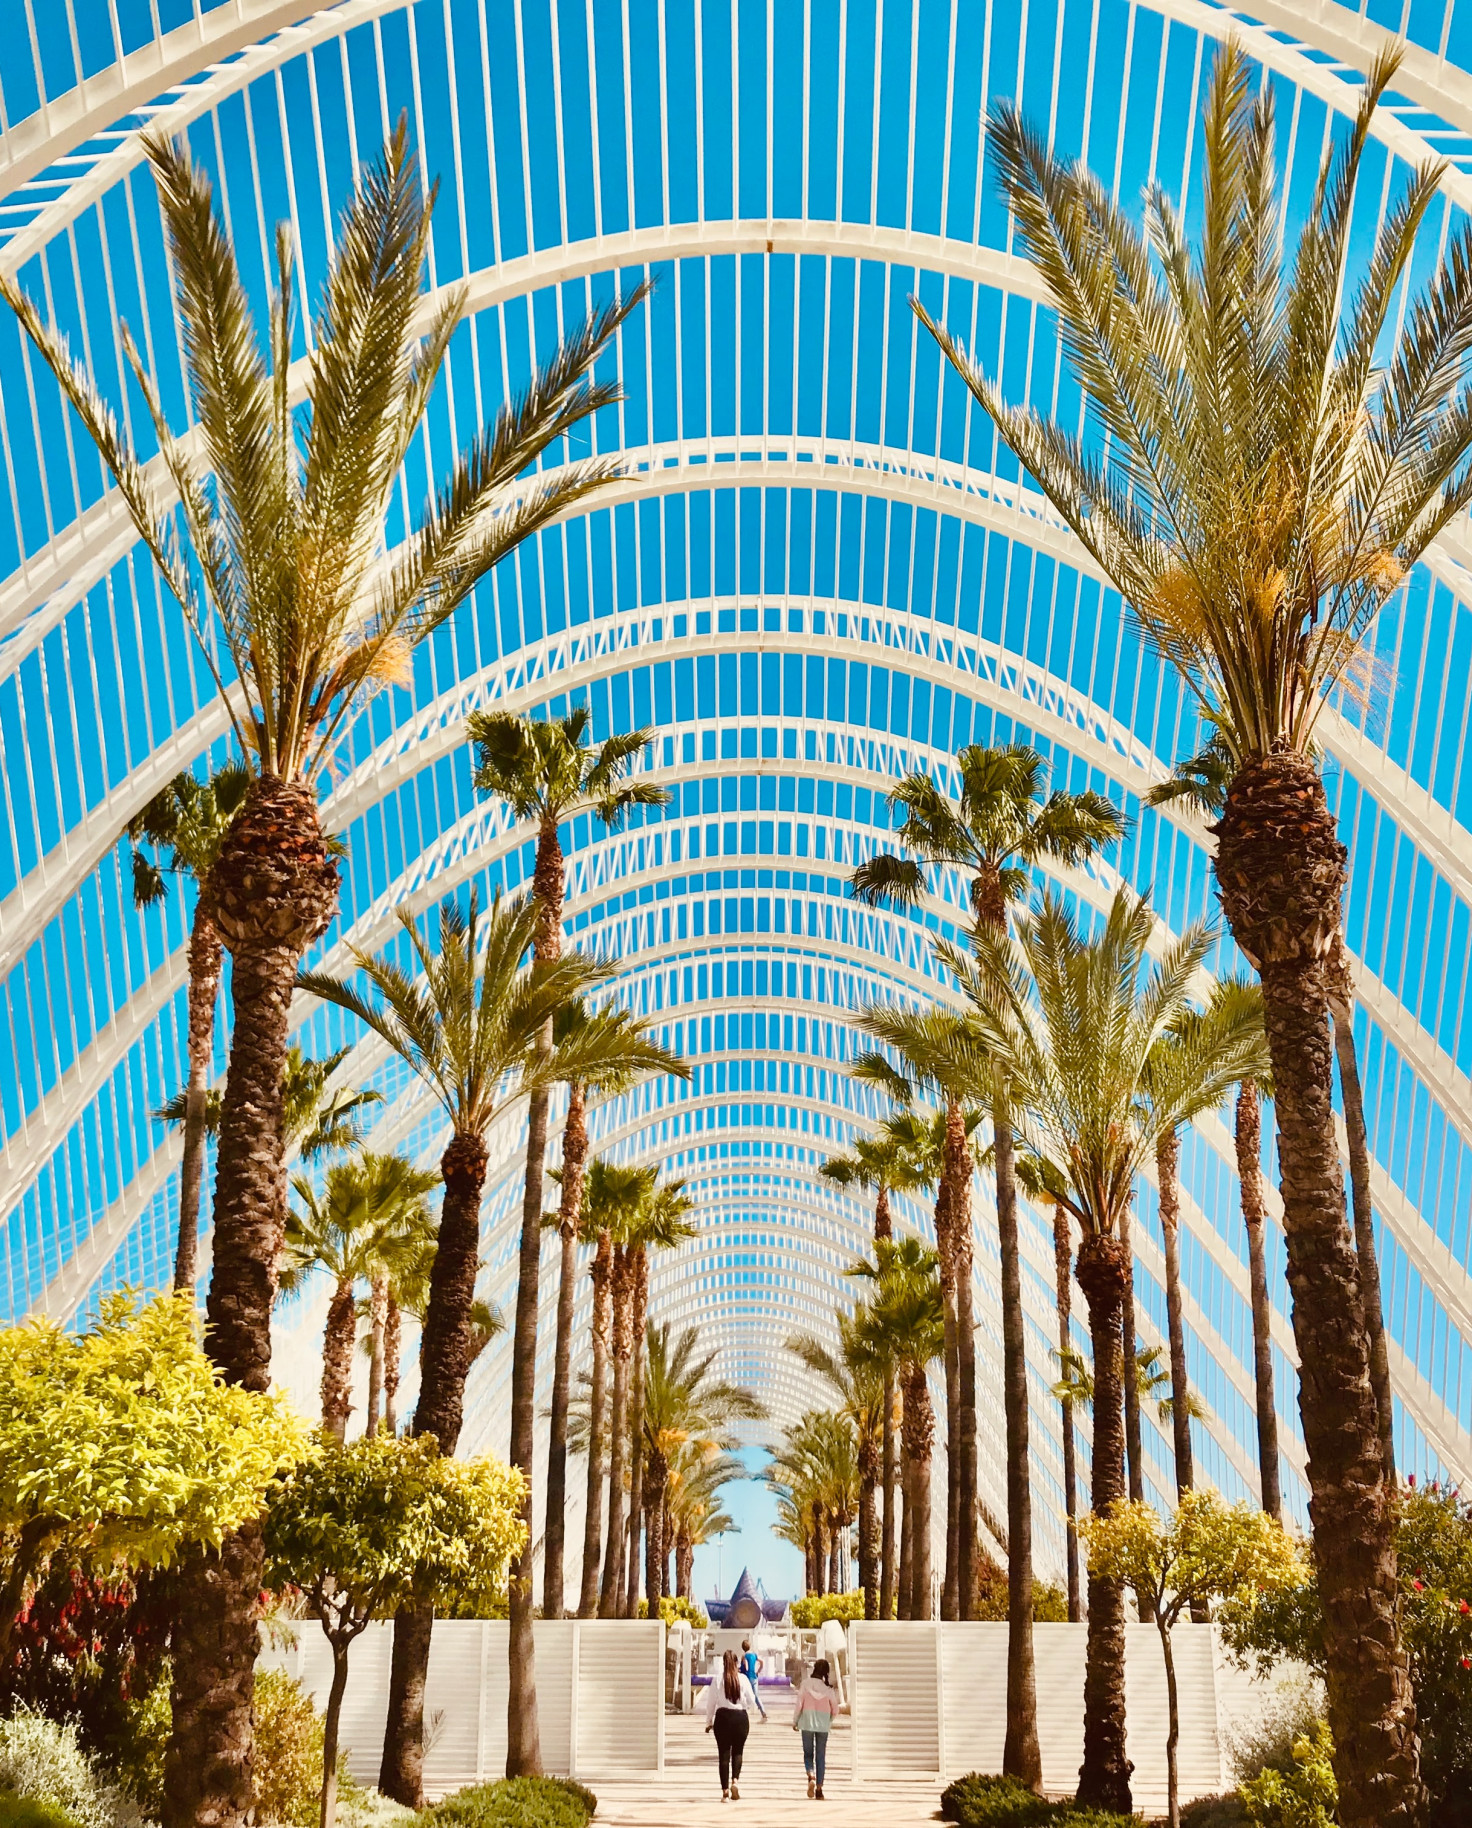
column 904, row 1319
column 686, row 1410
column 998, row 830
column 349, row 1229
column 470, row 1025
column 1282, row 447
column 695, row 1510
column 315, row 1120
column 814, row 1473
column 546, row 773
column 187, row 821
column 1077, row 1021
column 621, row 1027
column 865, row 1395
column 1247, row 1136
column 273, row 547
column 892, row 1161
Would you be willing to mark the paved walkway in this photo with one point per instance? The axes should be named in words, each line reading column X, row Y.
column 773, row 1788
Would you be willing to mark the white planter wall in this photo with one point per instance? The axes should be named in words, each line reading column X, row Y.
column 600, row 1696
column 930, row 1699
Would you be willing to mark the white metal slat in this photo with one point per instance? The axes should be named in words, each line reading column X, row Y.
column 452, row 1703
column 620, row 1695
column 895, row 1674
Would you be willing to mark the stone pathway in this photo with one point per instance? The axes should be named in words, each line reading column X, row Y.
column 773, row 1788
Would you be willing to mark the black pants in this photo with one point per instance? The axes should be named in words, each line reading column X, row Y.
column 732, row 1726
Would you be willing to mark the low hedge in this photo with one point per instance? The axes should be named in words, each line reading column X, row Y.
column 29, row 1812
column 976, row 1801
column 513, row 1802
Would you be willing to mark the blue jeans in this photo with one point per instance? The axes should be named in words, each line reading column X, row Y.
column 815, row 1755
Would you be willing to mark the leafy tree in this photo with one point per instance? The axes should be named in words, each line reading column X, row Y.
column 621, row 1027
column 546, row 774
column 124, row 1442
column 1207, row 1551
column 272, row 541
column 470, row 1023
column 365, row 1528
column 1272, row 436
column 1306, row 1796
column 186, row 822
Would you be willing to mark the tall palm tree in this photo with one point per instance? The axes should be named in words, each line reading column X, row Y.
column 997, row 830
column 186, row 821
column 686, row 1410
column 1284, row 440
column 349, row 1229
column 864, row 1393
column 469, row 1024
column 272, row 544
column 1201, row 781
column 904, row 1319
column 1247, row 1136
column 898, row 1158
column 1077, row 1021
column 547, row 774
column 622, row 1029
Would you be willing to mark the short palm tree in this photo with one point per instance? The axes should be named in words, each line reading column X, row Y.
column 183, row 827
column 470, row 1024
column 315, row 1120
column 349, row 1229
column 903, row 1320
column 273, row 546
column 1284, row 439
column 998, row 829
column 686, row 1412
column 1078, row 1021
column 863, row 1392
column 546, row 773
column 695, row 1508
column 624, row 1035
column 813, row 1471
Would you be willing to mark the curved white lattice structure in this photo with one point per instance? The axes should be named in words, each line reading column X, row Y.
column 819, row 571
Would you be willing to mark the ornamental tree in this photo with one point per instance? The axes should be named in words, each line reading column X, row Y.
column 1206, row 1551
column 380, row 1523
column 124, row 1443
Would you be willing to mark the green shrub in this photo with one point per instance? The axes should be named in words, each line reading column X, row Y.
column 1049, row 1603
column 815, row 1609
column 514, row 1802
column 1292, row 1712
column 1225, row 1811
column 1093, row 1818
column 994, row 1802
column 27, row 1812
column 43, row 1761
column 580, row 1793
column 672, row 1609
column 1305, row 1797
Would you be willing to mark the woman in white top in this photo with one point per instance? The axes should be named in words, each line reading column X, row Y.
column 729, row 1702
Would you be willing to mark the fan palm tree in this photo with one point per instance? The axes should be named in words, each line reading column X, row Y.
column 470, row 1025
column 350, row 1229
column 272, row 545
column 904, row 1319
column 623, row 1033
column 902, row 1156
column 186, row 821
column 546, row 773
column 864, row 1393
column 1285, row 437
column 1077, row 1021
column 997, row 831
column 686, row 1411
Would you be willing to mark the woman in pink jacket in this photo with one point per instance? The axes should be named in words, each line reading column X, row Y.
column 813, row 1717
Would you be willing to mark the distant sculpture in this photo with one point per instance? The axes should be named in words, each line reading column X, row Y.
column 747, row 1607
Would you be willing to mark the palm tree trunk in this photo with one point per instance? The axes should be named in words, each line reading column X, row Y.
column 1167, row 1170
column 393, row 1333
column 1133, row 1446
column 274, row 890
column 967, row 1566
column 205, row 958
column 1280, row 869
column 950, row 1604
column 613, row 1551
column 444, row 1361
column 1063, row 1274
column 574, row 1155
column 920, row 1436
column 810, row 1557
column 684, row 1561
column 1341, row 1007
column 835, row 1557
column 597, row 1431
column 523, row 1734
column 1104, row 1777
column 656, row 1474
column 868, row 1522
column 1254, row 1214
column 1021, row 1755
column 337, row 1360
column 907, row 1540
column 887, row 1545
column 378, row 1322
column 636, row 1428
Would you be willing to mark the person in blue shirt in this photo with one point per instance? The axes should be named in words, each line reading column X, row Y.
column 751, row 1667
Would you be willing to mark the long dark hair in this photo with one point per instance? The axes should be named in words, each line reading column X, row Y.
column 820, row 1671
column 733, row 1676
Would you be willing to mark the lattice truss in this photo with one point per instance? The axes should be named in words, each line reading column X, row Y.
column 820, row 571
